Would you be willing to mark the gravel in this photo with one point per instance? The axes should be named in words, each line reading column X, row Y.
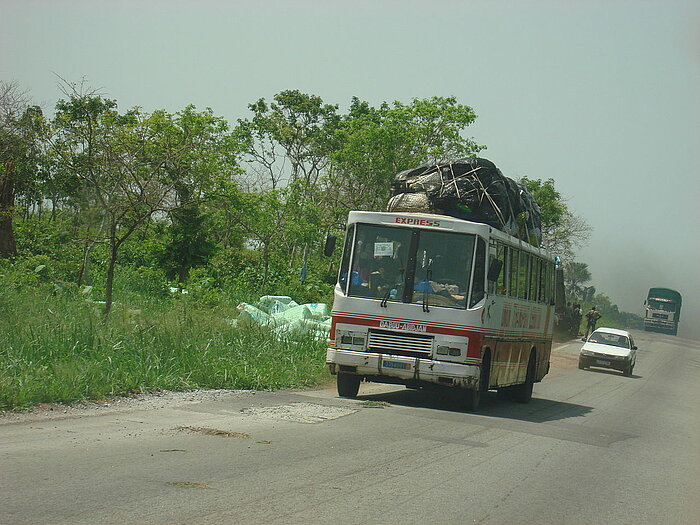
column 149, row 401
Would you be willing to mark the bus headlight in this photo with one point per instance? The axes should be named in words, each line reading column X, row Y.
column 448, row 350
column 350, row 340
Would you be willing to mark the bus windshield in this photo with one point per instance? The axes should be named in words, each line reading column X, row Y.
column 410, row 265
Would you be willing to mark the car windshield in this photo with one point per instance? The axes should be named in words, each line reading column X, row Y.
column 610, row 339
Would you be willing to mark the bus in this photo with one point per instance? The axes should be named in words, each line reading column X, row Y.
column 432, row 301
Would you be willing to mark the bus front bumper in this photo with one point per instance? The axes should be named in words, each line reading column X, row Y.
column 401, row 369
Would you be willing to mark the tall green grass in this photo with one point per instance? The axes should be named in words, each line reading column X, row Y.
column 56, row 347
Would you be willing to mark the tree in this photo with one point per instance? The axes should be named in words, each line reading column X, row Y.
column 131, row 165
column 562, row 230
column 373, row 144
column 288, row 145
column 22, row 127
column 289, row 139
column 206, row 160
column 576, row 274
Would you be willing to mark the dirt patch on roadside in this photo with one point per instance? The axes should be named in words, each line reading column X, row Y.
column 215, row 432
column 299, row 412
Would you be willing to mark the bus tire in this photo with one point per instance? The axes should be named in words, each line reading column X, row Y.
column 472, row 399
column 348, row 385
column 523, row 392
column 505, row 393
column 485, row 372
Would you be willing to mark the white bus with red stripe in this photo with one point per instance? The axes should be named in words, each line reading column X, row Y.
column 434, row 301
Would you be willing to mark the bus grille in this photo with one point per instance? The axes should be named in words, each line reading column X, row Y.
column 395, row 343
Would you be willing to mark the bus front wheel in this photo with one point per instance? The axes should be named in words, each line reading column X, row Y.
column 348, row 385
column 472, row 399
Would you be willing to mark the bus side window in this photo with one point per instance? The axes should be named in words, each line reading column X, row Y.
column 534, row 270
column 502, row 287
column 493, row 254
column 541, row 296
column 479, row 271
column 513, row 272
column 550, row 283
column 522, row 275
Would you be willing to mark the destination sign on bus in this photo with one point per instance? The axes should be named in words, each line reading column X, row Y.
column 418, row 222
column 394, row 325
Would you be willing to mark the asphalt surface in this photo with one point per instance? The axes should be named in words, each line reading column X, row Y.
column 592, row 447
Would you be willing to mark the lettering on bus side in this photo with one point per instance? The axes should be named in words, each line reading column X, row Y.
column 521, row 319
column 395, row 325
column 417, row 222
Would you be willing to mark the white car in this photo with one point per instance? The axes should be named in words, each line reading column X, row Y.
column 609, row 348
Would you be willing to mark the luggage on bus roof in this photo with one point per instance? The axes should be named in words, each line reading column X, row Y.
column 471, row 188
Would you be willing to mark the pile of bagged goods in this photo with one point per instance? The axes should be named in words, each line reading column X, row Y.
column 285, row 316
column 473, row 189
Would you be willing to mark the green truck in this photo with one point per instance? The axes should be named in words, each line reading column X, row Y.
column 662, row 310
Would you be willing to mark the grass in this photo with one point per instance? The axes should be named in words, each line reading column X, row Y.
column 56, row 348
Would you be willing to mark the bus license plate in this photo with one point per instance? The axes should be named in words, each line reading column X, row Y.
column 601, row 362
column 394, row 364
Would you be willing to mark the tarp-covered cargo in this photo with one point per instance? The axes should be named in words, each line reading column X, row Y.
column 285, row 316
column 473, row 189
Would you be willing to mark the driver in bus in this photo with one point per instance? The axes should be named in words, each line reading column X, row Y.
column 384, row 274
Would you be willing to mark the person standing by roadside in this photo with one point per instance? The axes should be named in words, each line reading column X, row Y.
column 592, row 317
column 576, row 319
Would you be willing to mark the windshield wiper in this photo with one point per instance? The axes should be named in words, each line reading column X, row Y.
column 428, row 276
column 385, row 299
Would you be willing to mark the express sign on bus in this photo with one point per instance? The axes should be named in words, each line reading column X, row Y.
column 418, row 222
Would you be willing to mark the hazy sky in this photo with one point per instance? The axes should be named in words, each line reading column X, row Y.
column 602, row 96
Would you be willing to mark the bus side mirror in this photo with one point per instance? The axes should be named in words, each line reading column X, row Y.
column 329, row 246
column 494, row 270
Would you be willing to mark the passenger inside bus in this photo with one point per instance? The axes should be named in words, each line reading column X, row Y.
column 385, row 275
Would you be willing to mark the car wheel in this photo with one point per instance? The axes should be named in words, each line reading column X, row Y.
column 627, row 371
column 523, row 392
column 582, row 364
column 348, row 385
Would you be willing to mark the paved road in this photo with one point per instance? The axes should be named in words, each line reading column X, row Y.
column 592, row 447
